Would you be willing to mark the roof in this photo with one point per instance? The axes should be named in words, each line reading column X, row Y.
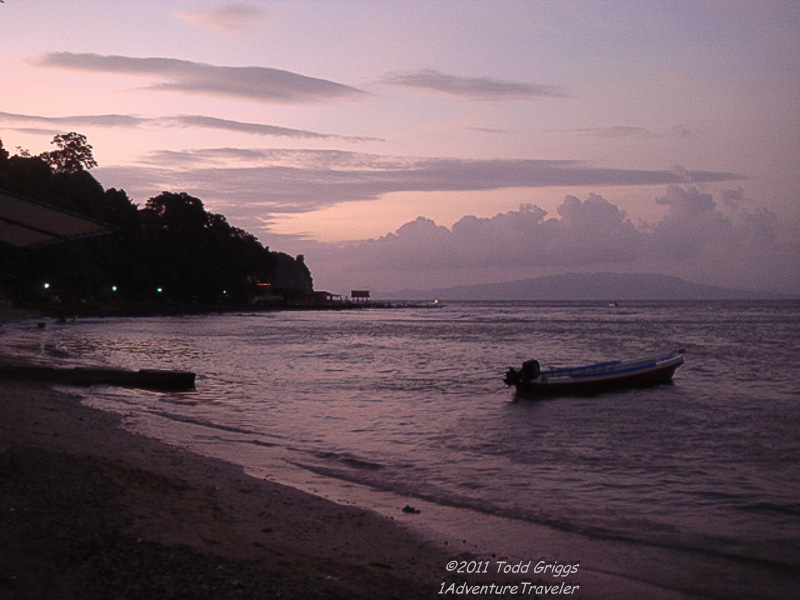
column 27, row 223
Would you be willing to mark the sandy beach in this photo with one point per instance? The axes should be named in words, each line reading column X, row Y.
column 89, row 508
column 93, row 511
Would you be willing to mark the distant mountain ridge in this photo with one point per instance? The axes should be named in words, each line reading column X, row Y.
column 589, row 286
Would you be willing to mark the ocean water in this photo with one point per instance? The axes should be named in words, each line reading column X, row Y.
column 691, row 488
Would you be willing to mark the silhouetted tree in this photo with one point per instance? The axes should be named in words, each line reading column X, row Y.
column 171, row 243
column 179, row 213
column 73, row 154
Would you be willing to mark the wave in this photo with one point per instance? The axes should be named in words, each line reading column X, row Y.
column 662, row 537
column 212, row 425
column 349, row 460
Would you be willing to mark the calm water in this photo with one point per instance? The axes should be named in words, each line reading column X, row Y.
column 700, row 478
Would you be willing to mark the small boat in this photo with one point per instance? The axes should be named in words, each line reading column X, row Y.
column 592, row 379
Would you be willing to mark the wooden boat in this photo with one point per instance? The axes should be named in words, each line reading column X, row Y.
column 596, row 378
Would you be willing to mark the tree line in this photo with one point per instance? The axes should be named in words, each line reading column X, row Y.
column 171, row 250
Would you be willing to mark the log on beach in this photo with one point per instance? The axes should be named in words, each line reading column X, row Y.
column 153, row 379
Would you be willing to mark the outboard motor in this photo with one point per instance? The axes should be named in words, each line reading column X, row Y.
column 530, row 370
column 512, row 377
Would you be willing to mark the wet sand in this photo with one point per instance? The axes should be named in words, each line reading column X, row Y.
column 93, row 511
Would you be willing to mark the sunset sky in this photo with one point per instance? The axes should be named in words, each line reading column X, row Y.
column 420, row 144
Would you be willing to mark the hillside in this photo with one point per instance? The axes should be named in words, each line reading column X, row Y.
column 171, row 251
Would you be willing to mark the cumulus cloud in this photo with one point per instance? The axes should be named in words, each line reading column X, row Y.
column 691, row 223
column 187, row 121
column 250, row 83
column 474, row 88
column 587, row 233
column 694, row 224
column 229, row 17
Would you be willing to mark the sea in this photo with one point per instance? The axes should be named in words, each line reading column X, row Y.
column 682, row 490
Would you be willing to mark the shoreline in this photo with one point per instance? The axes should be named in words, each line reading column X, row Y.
column 114, row 495
column 95, row 509
column 110, row 492
column 65, row 312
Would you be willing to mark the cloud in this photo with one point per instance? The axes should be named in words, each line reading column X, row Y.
column 617, row 132
column 694, row 224
column 38, row 131
column 682, row 131
column 187, row 121
column 306, row 180
column 474, row 88
column 229, row 17
column 587, row 233
column 78, row 120
column 687, row 130
column 250, row 83
column 255, row 128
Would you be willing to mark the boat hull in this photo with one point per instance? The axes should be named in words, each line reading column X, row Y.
column 589, row 381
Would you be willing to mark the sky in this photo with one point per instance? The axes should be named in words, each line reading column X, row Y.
column 421, row 144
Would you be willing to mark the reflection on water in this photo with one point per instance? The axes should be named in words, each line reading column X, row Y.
column 413, row 402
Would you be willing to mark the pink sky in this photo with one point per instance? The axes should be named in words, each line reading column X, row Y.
column 424, row 144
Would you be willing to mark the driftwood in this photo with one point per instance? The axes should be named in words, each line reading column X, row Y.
column 154, row 379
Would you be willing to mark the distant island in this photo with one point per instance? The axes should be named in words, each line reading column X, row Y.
column 608, row 287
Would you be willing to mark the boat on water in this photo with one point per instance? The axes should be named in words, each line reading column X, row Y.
column 531, row 381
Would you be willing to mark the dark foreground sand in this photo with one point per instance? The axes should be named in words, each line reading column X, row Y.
column 88, row 510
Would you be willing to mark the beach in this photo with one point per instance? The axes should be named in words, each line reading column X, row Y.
column 285, row 473
column 94, row 511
